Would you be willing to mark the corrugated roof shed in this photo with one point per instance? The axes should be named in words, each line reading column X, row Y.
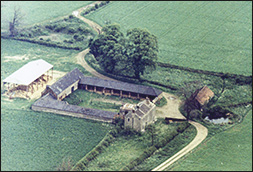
column 29, row 72
column 204, row 95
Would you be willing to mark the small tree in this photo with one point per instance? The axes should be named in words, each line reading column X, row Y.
column 151, row 132
column 16, row 21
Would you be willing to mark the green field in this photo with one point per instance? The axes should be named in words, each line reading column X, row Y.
column 214, row 36
column 38, row 11
column 36, row 140
column 226, row 151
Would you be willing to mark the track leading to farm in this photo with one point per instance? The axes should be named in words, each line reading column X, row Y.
column 169, row 110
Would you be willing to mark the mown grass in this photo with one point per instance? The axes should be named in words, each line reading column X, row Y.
column 93, row 100
column 229, row 150
column 213, row 36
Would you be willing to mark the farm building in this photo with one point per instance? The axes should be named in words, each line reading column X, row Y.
column 76, row 80
column 28, row 79
column 53, row 94
column 117, row 88
column 49, row 103
column 64, row 86
column 138, row 116
column 202, row 96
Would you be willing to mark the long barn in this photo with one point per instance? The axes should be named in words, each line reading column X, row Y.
column 76, row 80
column 53, row 94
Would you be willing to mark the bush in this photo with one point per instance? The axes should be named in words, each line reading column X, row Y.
column 71, row 30
column 71, row 16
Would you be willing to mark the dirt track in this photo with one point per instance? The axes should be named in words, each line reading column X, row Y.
column 169, row 110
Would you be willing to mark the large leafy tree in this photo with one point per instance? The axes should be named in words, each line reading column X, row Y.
column 108, row 48
column 142, row 50
column 130, row 55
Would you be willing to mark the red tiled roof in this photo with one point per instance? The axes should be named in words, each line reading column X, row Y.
column 204, row 95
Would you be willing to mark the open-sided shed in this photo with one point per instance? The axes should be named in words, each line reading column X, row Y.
column 28, row 77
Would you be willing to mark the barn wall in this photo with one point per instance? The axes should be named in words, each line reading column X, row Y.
column 67, row 91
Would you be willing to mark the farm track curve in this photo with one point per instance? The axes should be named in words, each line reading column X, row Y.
column 171, row 107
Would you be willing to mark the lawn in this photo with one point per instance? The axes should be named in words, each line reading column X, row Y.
column 214, row 36
column 227, row 151
column 97, row 101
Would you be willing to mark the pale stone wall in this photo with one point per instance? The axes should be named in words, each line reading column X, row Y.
column 68, row 91
column 139, row 124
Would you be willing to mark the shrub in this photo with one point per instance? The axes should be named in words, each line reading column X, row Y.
column 71, row 30
column 71, row 16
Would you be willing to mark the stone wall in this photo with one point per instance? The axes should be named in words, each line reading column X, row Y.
column 73, row 114
column 68, row 91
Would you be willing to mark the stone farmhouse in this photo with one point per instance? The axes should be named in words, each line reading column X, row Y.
column 138, row 116
column 52, row 96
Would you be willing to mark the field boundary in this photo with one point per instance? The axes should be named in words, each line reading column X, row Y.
column 219, row 74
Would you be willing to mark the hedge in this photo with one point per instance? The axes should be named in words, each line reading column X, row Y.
column 147, row 153
column 240, row 79
column 82, row 164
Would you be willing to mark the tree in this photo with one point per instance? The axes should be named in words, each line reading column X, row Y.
column 16, row 21
column 129, row 56
column 151, row 132
column 142, row 50
column 188, row 91
column 108, row 48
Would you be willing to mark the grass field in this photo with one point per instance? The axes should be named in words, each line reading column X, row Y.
column 38, row 11
column 36, row 140
column 226, row 151
column 214, row 36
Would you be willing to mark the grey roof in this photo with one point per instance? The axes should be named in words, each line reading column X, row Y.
column 48, row 101
column 75, row 75
column 117, row 85
column 144, row 108
column 66, row 81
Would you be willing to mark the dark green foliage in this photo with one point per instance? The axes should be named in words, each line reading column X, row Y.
column 161, row 102
column 152, row 133
column 130, row 55
column 216, row 112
